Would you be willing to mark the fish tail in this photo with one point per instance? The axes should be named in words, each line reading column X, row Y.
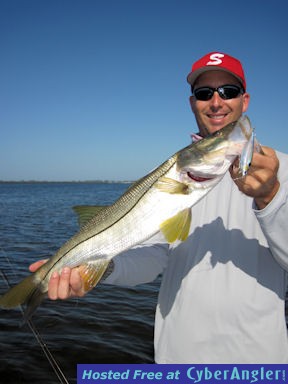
column 26, row 292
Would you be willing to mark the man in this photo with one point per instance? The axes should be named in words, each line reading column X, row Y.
column 223, row 290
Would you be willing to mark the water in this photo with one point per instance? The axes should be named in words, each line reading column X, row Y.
column 109, row 325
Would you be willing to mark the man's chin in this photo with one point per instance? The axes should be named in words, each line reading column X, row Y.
column 214, row 125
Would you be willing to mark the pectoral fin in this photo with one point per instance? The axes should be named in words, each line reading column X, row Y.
column 177, row 227
column 91, row 273
column 168, row 185
column 86, row 212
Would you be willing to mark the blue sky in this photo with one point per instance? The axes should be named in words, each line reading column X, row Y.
column 94, row 89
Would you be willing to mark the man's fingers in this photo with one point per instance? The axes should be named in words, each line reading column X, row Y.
column 53, row 286
column 59, row 285
column 64, row 284
column 33, row 267
column 76, row 283
column 261, row 180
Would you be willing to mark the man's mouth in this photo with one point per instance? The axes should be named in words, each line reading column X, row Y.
column 216, row 117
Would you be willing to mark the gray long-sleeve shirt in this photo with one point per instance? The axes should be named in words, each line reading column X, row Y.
column 223, row 290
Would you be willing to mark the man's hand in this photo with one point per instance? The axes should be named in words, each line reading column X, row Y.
column 67, row 284
column 261, row 181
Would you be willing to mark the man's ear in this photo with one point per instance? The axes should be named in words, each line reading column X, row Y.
column 246, row 100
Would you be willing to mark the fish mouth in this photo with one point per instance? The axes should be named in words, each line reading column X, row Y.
column 199, row 179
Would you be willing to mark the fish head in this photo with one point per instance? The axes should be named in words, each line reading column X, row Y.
column 208, row 160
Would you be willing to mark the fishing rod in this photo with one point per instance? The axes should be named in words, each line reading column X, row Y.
column 53, row 363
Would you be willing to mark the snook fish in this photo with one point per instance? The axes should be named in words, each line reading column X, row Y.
column 160, row 201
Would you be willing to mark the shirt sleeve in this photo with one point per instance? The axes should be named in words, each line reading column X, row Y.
column 273, row 218
column 141, row 264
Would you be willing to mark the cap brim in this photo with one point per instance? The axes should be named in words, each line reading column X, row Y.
column 191, row 78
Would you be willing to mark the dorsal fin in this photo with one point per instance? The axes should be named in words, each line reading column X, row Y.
column 86, row 212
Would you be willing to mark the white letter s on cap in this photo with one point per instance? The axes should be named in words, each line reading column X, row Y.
column 215, row 59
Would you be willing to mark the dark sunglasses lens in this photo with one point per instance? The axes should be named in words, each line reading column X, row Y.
column 203, row 94
column 226, row 92
column 229, row 91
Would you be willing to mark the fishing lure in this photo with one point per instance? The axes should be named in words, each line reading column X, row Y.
column 246, row 156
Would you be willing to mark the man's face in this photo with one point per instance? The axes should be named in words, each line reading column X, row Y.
column 214, row 114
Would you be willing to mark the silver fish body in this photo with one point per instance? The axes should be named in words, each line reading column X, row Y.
column 160, row 201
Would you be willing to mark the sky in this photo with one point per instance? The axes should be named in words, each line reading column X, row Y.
column 96, row 89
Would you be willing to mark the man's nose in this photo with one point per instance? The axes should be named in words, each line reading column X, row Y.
column 216, row 100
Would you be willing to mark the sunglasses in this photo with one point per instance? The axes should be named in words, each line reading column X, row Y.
column 226, row 92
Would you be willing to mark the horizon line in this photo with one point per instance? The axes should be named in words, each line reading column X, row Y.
column 66, row 181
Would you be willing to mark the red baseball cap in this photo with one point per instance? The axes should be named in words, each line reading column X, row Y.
column 220, row 62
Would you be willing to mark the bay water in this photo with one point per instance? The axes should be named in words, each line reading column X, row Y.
column 109, row 325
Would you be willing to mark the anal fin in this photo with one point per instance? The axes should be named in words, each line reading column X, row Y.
column 91, row 273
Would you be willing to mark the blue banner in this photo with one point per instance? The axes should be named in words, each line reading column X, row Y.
column 181, row 373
